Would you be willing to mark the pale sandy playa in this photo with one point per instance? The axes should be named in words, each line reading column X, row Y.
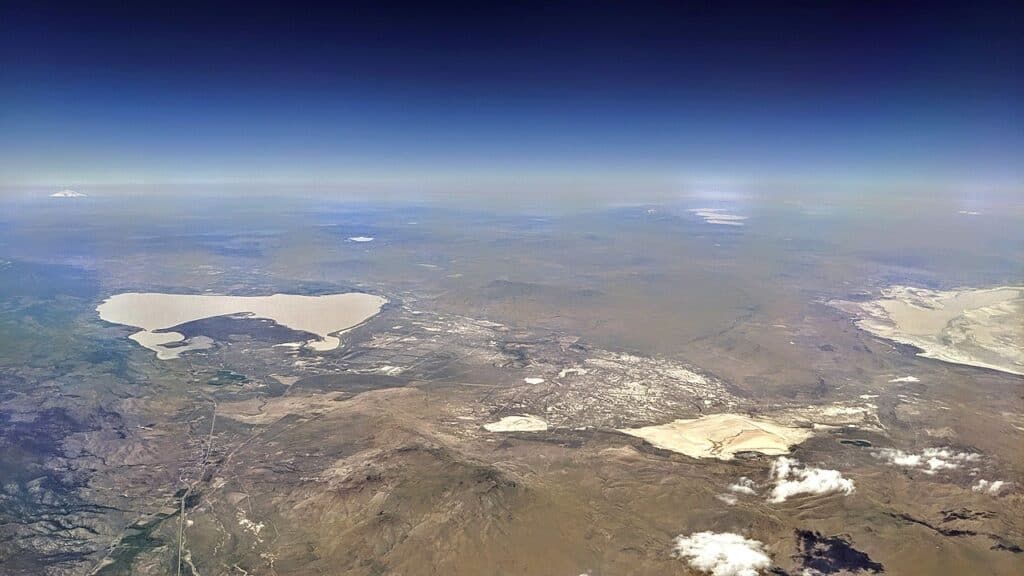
column 974, row 327
column 721, row 436
column 157, row 341
column 319, row 315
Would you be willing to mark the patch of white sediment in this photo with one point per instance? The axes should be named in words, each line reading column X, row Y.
column 533, row 380
column 524, row 423
column 318, row 315
column 721, row 436
column 573, row 371
column 910, row 379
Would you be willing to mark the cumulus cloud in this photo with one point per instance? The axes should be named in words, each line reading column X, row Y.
column 931, row 459
column 67, row 194
column 722, row 553
column 729, row 499
column 718, row 216
column 743, row 486
column 793, row 478
column 991, row 488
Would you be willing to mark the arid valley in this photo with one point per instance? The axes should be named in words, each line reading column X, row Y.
column 438, row 392
column 559, row 288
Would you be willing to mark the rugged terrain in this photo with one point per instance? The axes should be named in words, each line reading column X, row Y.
column 252, row 457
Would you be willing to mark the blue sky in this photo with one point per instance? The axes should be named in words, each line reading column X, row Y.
column 393, row 94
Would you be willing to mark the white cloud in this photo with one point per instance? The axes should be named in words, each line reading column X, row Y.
column 722, row 553
column 729, row 499
column 991, row 488
column 932, row 459
column 67, row 194
column 793, row 478
column 718, row 216
column 899, row 457
column 906, row 379
column 743, row 486
column 361, row 239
